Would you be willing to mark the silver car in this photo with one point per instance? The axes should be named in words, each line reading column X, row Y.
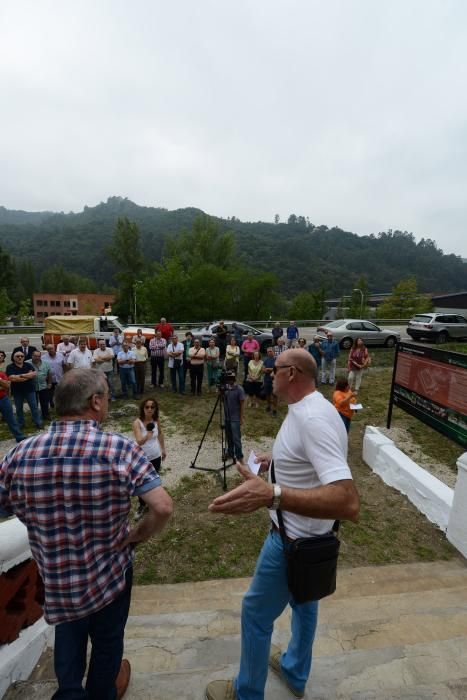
column 437, row 326
column 345, row 331
column 205, row 333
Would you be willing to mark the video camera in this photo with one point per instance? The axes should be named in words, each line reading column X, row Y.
column 225, row 380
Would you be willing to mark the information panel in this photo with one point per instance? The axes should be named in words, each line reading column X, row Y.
column 431, row 385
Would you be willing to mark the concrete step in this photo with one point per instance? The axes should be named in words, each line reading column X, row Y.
column 390, row 632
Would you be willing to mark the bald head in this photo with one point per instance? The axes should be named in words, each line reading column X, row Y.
column 294, row 375
column 302, row 360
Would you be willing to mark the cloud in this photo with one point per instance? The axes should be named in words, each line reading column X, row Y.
column 351, row 113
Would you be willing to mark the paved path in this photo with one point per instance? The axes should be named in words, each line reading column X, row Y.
column 394, row 632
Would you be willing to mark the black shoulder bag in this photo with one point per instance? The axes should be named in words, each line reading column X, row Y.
column 311, row 561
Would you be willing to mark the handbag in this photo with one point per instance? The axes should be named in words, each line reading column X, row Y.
column 311, row 561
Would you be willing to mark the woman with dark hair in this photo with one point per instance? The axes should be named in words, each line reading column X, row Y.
column 254, row 379
column 187, row 345
column 341, row 399
column 149, row 436
column 359, row 359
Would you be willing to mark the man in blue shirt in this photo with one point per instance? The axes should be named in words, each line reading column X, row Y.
column 268, row 369
column 126, row 359
column 330, row 350
column 292, row 334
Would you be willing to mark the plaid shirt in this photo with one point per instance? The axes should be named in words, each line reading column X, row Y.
column 278, row 349
column 71, row 487
column 158, row 347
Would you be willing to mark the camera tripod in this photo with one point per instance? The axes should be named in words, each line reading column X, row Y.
column 223, row 409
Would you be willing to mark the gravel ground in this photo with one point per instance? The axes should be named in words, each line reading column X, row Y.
column 181, row 449
column 404, row 442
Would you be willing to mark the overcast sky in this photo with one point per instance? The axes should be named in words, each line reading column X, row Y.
column 351, row 112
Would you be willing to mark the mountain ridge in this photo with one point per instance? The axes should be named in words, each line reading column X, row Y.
column 305, row 257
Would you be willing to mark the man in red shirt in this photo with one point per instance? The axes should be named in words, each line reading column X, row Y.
column 165, row 328
column 6, row 409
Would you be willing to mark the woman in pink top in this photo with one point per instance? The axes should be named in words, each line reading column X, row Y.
column 359, row 359
column 249, row 346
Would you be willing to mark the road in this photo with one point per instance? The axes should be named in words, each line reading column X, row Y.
column 10, row 341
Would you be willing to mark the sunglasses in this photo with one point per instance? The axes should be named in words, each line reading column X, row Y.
column 278, row 367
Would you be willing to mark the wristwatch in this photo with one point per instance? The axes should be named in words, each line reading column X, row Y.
column 276, row 499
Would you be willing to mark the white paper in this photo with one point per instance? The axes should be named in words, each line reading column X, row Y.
column 253, row 466
column 356, row 406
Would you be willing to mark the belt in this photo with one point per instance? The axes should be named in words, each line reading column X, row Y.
column 276, row 529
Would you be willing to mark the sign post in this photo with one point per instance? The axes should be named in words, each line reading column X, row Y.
column 431, row 385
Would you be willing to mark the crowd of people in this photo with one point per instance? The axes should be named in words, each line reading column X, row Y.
column 32, row 376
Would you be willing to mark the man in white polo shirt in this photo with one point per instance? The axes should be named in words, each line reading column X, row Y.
column 313, row 488
column 80, row 357
column 102, row 358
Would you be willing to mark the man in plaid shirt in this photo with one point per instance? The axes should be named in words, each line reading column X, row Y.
column 158, row 351
column 71, row 487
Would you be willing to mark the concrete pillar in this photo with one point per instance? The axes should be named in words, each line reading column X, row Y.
column 457, row 526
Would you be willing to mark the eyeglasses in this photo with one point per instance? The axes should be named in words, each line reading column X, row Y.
column 276, row 368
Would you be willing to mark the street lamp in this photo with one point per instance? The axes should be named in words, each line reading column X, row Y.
column 361, row 302
column 135, row 284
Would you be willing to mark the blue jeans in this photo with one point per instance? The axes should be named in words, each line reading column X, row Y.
column 234, row 438
column 346, row 420
column 106, row 629
column 6, row 409
column 127, row 378
column 265, row 600
column 110, row 383
column 174, row 372
column 30, row 397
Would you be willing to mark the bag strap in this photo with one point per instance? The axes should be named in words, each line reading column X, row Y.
column 278, row 511
column 335, row 527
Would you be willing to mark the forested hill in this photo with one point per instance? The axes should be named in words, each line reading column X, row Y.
column 304, row 256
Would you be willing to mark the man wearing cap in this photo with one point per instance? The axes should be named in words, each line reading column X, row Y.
column 330, row 349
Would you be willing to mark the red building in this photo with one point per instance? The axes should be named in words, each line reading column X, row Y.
column 71, row 305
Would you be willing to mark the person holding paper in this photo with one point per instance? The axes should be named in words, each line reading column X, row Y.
column 342, row 398
column 313, row 487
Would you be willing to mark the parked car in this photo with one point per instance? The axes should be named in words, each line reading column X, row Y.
column 204, row 334
column 345, row 331
column 438, row 327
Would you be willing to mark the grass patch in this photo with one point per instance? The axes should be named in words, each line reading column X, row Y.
column 197, row 545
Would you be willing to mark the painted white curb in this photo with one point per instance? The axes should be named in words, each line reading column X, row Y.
column 430, row 495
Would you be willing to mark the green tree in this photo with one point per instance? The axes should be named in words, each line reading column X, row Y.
column 205, row 243
column 358, row 307
column 25, row 312
column 200, row 279
column 308, row 305
column 125, row 253
column 6, row 305
column 57, row 280
column 405, row 301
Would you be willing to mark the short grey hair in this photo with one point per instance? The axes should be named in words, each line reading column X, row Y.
column 76, row 388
